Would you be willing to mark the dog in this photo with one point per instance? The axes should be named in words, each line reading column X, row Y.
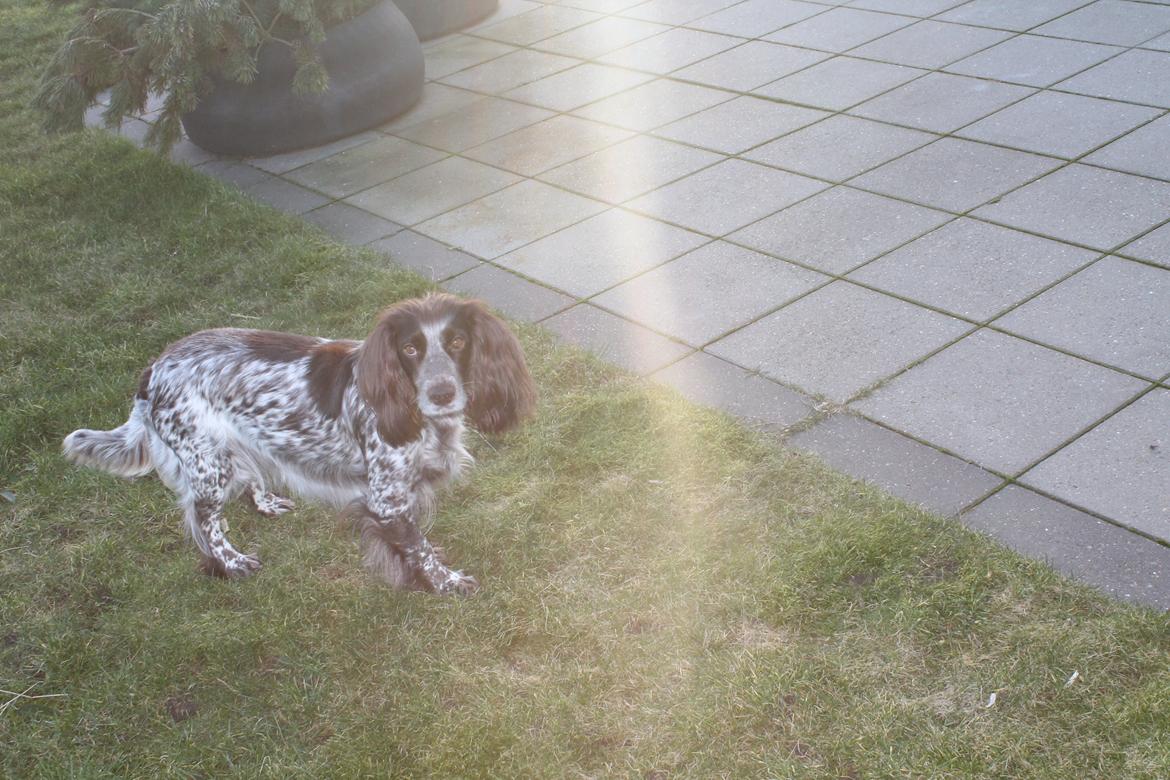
column 375, row 427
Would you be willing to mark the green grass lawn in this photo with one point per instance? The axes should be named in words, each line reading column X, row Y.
column 666, row 595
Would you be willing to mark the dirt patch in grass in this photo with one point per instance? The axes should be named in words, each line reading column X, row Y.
column 181, row 707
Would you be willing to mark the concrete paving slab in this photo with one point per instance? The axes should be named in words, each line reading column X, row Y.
column 361, row 167
column 740, row 124
column 1137, row 76
column 1033, row 60
column 840, row 29
column 1161, row 43
column 840, row 147
column 726, row 196
column 461, row 52
column 510, row 71
column 900, row 466
column 1153, row 246
column 840, row 229
column 518, row 298
column 676, row 11
column 510, row 218
column 1113, row 312
column 605, row 6
column 930, row 44
column 536, row 148
column 909, row 7
column 756, row 18
column 1120, row 469
column 1085, row 205
column 708, row 292
column 425, row 255
column 599, row 252
column 536, row 25
column 135, row 131
column 506, row 10
column 577, row 86
column 630, row 168
column 751, row 65
column 941, row 102
column 93, row 116
column 234, row 172
column 838, row 340
column 954, row 174
column 473, row 124
column 600, row 37
column 1123, row 565
column 431, row 190
column 999, row 401
column 654, row 104
column 285, row 196
column 838, row 83
column 283, row 163
column 185, row 152
column 437, row 99
column 758, row 402
column 973, row 269
column 351, row 225
column 1142, row 152
column 632, row 347
column 1059, row 124
column 1009, row 14
column 1111, row 21
column 671, row 50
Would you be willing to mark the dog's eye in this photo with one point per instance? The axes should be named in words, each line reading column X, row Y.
column 410, row 350
column 457, row 343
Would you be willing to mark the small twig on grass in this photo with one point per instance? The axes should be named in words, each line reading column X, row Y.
column 486, row 441
column 24, row 695
column 243, row 316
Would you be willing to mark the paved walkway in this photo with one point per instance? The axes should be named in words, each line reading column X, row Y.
column 928, row 239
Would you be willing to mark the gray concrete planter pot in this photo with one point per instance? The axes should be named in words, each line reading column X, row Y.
column 375, row 66
column 432, row 18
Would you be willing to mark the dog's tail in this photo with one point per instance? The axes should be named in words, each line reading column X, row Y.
column 124, row 451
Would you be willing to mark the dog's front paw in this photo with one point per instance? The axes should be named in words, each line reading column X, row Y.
column 459, row 584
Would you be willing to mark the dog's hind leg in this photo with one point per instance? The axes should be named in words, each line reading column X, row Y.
column 209, row 477
column 269, row 504
column 250, row 470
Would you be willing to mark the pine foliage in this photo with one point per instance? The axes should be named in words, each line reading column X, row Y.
column 177, row 48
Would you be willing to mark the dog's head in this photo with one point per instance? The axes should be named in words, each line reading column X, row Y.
column 441, row 356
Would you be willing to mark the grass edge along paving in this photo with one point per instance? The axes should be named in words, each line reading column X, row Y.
column 667, row 595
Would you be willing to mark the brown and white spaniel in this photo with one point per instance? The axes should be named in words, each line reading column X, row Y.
column 374, row 426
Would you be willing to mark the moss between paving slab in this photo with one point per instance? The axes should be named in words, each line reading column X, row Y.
column 666, row 595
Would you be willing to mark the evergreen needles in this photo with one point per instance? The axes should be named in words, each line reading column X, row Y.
column 178, row 49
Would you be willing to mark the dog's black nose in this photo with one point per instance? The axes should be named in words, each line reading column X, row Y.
column 442, row 393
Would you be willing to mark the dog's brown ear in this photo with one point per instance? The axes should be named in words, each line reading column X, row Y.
column 499, row 387
column 385, row 385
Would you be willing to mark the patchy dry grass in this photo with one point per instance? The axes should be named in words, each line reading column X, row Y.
column 666, row 594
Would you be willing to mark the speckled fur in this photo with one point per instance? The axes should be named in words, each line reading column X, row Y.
column 367, row 426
